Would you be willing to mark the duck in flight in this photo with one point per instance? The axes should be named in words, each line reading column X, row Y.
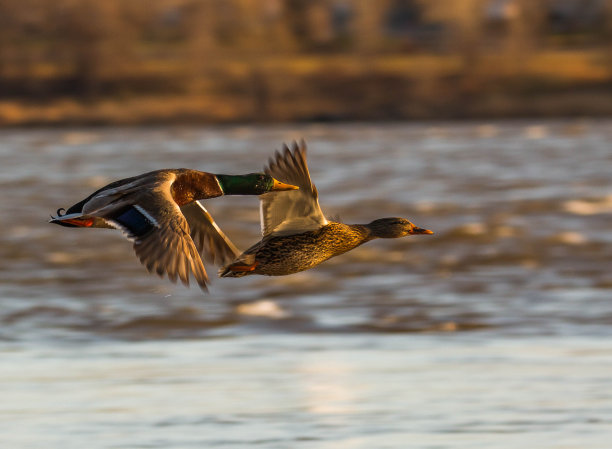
column 161, row 213
column 296, row 234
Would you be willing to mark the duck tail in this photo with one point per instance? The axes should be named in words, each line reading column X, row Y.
column 76, row 220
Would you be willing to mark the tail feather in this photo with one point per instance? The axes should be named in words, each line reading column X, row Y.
column 79, row 220
column 76, row 220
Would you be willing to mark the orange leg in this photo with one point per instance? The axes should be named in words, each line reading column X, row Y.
column 243, row 268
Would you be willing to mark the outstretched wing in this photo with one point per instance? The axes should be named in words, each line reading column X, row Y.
column 154, row 222
column 167, row 248
column 293, row 211
column 210, row 240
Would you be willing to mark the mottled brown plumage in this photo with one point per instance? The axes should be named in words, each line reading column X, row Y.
column 289, row 254
column 296, row 234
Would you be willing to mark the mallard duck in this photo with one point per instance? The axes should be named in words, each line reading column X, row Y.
column 296, row 234
column 161, row 213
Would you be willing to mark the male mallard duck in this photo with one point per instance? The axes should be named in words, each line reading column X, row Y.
column 161, row 213
column 296, row 235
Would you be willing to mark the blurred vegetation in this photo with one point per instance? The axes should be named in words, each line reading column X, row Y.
column 142, row 61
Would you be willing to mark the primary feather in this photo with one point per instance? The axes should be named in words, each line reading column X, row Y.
column 291, row 212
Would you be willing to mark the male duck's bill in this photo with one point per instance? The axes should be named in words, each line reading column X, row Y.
column 279, row 186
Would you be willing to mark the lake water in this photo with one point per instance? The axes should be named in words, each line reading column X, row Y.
column 496, row 332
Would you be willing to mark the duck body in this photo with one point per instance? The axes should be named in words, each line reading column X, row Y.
column 161, row 213
column 185, row 186
column 296, row 235
column 290, row 254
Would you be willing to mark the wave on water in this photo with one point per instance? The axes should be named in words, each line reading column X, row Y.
column 521, row 215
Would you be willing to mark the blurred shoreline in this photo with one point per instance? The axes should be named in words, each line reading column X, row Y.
column 189, row 61
column 195, row 111
column 332, row 88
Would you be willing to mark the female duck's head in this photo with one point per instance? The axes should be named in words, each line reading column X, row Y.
column 251, row 184
column 390, row 228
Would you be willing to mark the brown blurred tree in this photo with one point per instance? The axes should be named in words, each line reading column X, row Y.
column 96, row 39
column 201, row 23
column 525, row 28
column 464, row 22
column 369, row 29
column 607, row 35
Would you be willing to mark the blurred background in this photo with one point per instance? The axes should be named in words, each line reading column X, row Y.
column 485, row 121
column 143, row 61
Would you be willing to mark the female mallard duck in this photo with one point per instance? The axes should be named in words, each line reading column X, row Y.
column 161, row 213
column 296, row 235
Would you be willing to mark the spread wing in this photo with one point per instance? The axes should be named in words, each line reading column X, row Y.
column 209, row 239
column 168, row 247
column 293, row 211
column 149, row 217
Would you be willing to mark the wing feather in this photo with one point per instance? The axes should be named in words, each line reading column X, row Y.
column 293, row 211
column 177, row 237
column 209, row 239
column 169, row 249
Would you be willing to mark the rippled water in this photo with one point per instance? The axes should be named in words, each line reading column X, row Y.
column 494, row 333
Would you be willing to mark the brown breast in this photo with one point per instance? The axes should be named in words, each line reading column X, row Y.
column 191, row 185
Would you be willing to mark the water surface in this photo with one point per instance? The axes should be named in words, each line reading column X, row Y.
column 494, row 333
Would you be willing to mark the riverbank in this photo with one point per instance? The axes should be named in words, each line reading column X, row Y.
column 327, row 88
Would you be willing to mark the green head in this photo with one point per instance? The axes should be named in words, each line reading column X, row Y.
column 390, row 228
column 251, row 184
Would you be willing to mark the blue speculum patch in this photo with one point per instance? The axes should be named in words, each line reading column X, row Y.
column 135, row 221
